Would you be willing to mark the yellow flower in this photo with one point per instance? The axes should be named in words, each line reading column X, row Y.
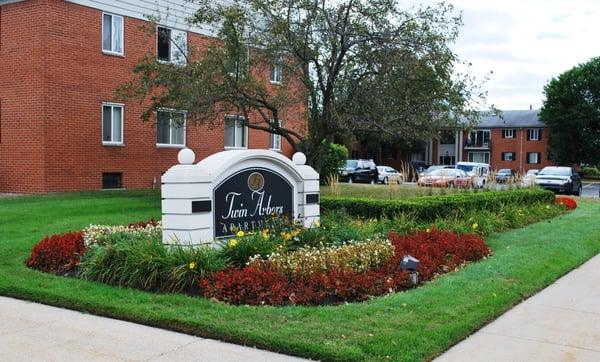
column 427, row 230
column 265, row 233
column 240, row 234
column 287, row 236
column 232, row 243
column 548, row 207
column 192, row 265
column 316, row 223
column 475, row 226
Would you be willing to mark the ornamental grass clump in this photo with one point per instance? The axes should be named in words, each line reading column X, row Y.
column 144, row 262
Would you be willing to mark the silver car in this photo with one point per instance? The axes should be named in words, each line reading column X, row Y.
column 387, row 174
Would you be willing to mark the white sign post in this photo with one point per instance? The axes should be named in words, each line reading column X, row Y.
column 235, row 190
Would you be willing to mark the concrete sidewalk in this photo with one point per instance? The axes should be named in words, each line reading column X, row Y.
column 561, row 323
column 36, row 332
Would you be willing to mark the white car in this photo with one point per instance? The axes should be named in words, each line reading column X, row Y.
column 387, row 174
column 529, row 178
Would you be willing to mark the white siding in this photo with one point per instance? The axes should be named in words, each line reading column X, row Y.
column 172, row 13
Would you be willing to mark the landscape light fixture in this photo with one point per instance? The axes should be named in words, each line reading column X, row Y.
column 411, row 264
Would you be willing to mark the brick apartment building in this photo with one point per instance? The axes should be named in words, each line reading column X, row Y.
column 517, row 140
column 60, row 127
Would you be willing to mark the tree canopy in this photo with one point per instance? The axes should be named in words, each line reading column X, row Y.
column 572, row 112
column 361, row 66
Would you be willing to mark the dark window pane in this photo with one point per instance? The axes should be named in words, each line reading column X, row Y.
column 107, row 32
column 164, row 44
column 106, row 124
column 112, row 180
column 162, row 128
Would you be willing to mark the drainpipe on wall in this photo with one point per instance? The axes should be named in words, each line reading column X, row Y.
column 521, row 152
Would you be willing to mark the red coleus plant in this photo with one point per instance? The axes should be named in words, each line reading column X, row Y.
column 57, row 254
column 437, row 251
column 568, row 202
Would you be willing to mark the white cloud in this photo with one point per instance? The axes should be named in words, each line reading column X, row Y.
column 525, row 43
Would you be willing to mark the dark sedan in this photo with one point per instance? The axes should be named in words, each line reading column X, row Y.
column 559, row 179
column 505, row 175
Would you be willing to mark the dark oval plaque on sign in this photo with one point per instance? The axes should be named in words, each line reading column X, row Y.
column 247, row 199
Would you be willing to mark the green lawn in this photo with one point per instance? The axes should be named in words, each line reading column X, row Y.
column 415, row 325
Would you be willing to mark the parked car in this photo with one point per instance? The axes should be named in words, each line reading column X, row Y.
column 506, row 175
column 480, row 172
column 415, row 168
column 559, row 179
column 432, row 168
column 387, row 174
column 360, row 171
column 446, row 177
column 529, row 178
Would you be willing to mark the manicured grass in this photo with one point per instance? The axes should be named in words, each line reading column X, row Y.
column 414, row 325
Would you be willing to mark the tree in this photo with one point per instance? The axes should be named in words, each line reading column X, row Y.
column 362, row 65
column 572, row 112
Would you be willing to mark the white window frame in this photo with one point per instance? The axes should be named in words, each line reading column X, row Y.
column 172, row 47
column 276, row 71
column 538, row 156
column 172, row 145
column 273, row 137
column 511, row 134
column 112, row 38
column 471, row 154
column 536, row 132
column 511, row 158
column 112, row 106
column 237, row 119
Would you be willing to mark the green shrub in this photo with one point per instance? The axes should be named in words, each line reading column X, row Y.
column 144, row 262
column 429, row 208
column 333, row 161
column 590, row 171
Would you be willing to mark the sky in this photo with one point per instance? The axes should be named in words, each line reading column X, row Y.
column 525, row 43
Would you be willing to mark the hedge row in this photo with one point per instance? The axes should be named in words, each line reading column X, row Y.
column 429, row 208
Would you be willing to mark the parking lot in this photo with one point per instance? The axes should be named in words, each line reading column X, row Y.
column 591, row 189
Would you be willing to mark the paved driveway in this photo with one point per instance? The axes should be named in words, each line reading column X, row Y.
column 591, row 190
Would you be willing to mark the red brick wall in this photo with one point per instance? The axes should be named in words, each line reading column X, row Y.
column 71, row 78
column 519, row 145
column 22, row 124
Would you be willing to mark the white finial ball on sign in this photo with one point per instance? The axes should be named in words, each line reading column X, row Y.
column 299, row 158
column 186, row 156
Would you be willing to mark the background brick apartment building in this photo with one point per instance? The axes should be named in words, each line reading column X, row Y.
column 516, row 140
column 60, row 127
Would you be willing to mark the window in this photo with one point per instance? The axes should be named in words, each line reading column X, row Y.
column 170, row 128
column 534, row 134
column 534, row 157
column 275, row 139
column 479, row 139
column 277, row 70
column 236, row 132
column 112, row 180
column 447, row 138
column 112, row 124
column 508, row 156
column 112, row 34
column 447, row 160
column 481, row 157
column 508, row 133
column 171, row 45
column 237, row 62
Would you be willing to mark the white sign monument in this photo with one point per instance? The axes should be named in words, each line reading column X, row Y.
column 235, row 190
